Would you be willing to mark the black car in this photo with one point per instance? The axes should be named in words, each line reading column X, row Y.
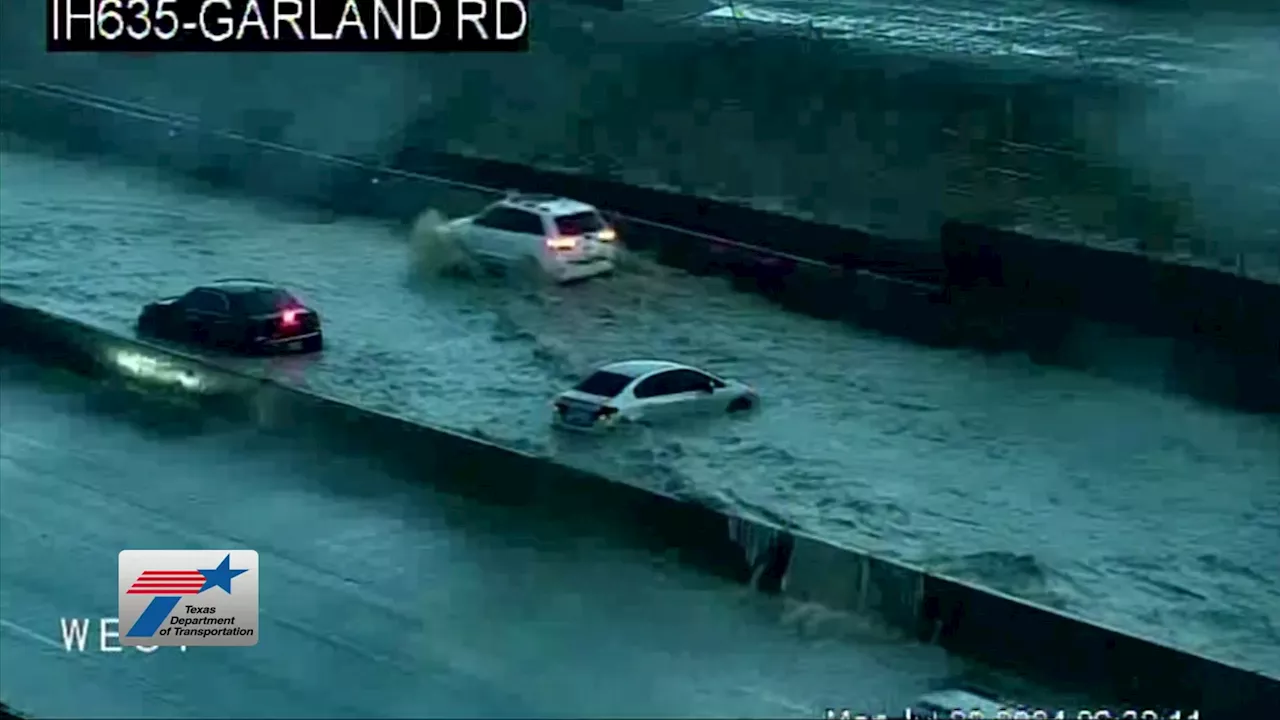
column 244, row 316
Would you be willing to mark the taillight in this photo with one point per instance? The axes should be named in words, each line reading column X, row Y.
column 607, row 235
column 289, row 318
column 562, row 243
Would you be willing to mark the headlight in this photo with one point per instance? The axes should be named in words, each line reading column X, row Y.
column 156, row 370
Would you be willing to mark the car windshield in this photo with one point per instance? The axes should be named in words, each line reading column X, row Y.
column 262, row 302
column 604, row 384
column 580, row 223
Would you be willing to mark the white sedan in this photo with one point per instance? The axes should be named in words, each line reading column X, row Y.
column 649, row 391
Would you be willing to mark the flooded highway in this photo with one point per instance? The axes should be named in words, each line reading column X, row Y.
column 1151, row 513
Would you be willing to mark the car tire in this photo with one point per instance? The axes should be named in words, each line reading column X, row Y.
column 740, row 404
column 313, row 344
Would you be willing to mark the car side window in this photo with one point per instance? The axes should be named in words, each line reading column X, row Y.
column 528, row 223
column 704, row 379
column 511, row 220
column 491, row 218
column 688, row 381
column 654, row 385
column 206, row 301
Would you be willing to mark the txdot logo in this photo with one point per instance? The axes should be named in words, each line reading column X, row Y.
column 188, row 597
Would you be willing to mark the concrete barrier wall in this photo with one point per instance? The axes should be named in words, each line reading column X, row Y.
column 984, row 625
column 1154, row 295
column 1204, row 331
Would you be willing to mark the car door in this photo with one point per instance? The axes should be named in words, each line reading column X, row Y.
column 481, row 237
column 524, row 235
column 695, row 393
column 205, row 317
column 506, row 233
column 651, row 397
column 672, row 394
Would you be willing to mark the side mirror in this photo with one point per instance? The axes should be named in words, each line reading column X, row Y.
column 709, row 388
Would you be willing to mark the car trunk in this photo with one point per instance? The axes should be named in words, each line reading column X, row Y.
column 585, row 250
column 273, row 326
column 584, row 229
column 580, row 409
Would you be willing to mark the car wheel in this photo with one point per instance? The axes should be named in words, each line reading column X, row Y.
column 740, row 404
column 313, row 344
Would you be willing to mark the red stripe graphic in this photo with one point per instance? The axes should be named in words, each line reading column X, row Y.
column 182, row 581
column 167, row 582
column 178, row 581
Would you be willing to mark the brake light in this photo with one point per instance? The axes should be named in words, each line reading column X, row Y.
column 562, row 243
column 607, row 234
column 289, row 318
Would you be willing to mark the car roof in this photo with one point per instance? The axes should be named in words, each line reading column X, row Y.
column 546, row 204
column 240, row 285
column 638, row 368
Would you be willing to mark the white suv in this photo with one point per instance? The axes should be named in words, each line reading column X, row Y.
column 564, row 239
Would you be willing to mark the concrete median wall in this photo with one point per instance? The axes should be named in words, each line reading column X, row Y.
column 1150, row 294
column 977, row 623
column 1206, row 331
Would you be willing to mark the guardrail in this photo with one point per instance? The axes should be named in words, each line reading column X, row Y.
column 1211, row 334
column 985, row 625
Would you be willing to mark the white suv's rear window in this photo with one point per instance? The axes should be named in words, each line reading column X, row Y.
column 580, row 223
